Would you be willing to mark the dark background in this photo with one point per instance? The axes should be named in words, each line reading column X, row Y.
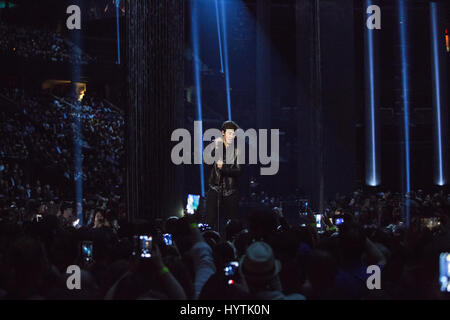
column 342, row 61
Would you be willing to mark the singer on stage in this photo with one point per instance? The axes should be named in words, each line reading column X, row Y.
column 223, row 196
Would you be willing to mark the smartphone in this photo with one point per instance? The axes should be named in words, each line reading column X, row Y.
column 145, row 246
column 87, row 251
column 318, row 220
column 231, row 268
column 204, row 227
column 444, row 271
column 76, row 223
column 192, row 203
column 303, row 206
column 231, row 271
column 167, row 237
column 338, row 221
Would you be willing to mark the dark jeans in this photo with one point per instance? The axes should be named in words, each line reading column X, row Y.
column 228, row 208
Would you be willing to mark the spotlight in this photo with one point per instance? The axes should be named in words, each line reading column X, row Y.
column 198, row 85
column 118, row 29
column 436, row 63
column 219, row 33
column 372, row 175
column 225, row 48
column 405, row 97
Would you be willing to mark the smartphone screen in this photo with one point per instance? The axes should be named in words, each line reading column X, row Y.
column 167, row 237
column 303, row 207
column 204, row 227
column 231, row 269
column 87, row 251
column 318, row 220
column 192, row 203
column 145, row 246
column 444, row 271
column 76, row 223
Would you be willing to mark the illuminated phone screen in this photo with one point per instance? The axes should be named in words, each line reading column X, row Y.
column 145, row 246
column 318, row 220
column 444, row 271
column 87, row 250
column 167, row 239
column 192, row 203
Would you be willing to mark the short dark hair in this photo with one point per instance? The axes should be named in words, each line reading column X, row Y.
column 229, row 125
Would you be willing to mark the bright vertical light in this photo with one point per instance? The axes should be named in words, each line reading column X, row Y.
column 77, row 123
column 219, row 35
column 225, row 49
column 440, row 180
column 405, row 97
column 78, row 153
column 372, row 178
column 405, row 88
column 198, row 83
column 118, row 30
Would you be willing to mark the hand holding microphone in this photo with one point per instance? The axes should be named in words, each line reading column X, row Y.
column 218, row 144
column 218, row 141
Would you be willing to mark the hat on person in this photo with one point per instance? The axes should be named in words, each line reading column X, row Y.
column 259, row 264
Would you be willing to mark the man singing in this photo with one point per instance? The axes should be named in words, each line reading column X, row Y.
column 223, row 179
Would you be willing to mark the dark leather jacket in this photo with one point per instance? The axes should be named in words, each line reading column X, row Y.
column 225, row 180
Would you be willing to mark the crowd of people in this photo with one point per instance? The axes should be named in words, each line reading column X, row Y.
column 46, row 45
column 46, row 130
column 12, row 140
column 37, row 160
column 262, row 257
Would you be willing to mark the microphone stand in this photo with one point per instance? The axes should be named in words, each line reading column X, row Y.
column 219, row 193
column 218, row 201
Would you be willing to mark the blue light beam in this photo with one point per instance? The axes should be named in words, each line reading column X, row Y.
column 198, row 85
column 372, row 175
column 439, row 176
column 405, row 89
column 225, row 51
column 77, row 123
column 78, row 161
column 219, row 35
column 118, row 30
